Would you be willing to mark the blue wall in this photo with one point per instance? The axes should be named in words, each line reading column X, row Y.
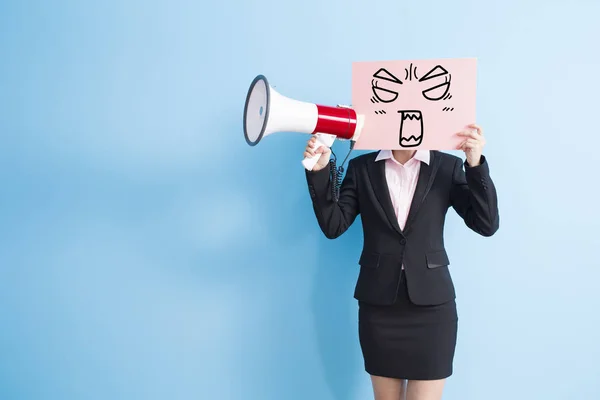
column 146, row 252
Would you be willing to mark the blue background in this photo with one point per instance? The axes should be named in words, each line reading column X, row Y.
column 146, row 252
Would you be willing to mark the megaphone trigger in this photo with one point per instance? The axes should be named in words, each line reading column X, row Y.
column 323, row 139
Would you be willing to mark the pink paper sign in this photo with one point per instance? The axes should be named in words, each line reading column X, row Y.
column 414, row 104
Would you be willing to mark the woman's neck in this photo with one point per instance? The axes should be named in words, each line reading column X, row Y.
column 402, row 156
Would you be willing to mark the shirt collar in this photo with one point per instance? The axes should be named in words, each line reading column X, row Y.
column 420, row 155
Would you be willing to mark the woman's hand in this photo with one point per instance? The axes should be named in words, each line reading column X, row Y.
column 323, row 150
column 473, row 144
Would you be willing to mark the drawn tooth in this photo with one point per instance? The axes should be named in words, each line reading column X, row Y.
column 412, row 115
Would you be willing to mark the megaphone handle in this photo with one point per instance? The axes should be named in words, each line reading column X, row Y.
column 323, row 139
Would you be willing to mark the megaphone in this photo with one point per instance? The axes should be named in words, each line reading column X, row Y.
column 267, row 112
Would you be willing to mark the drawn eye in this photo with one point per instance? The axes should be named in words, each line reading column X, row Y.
column 437, row 92
column 384, row 95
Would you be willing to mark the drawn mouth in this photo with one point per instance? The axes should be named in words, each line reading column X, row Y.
column 411, row 128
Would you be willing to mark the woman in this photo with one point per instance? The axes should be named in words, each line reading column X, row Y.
column 407, row 310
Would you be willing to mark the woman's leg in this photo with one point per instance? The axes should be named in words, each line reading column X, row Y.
column 388, row 388
column 425, row 390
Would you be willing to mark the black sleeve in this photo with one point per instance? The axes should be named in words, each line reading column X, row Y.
column 473, row 196
column 334, row 217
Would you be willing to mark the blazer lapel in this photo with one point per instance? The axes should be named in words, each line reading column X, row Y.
column 376, row 170
column 425, row 181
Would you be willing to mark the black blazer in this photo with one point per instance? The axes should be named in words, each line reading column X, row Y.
column 420, row 246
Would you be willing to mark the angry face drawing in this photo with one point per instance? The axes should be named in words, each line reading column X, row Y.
column 434, row 86
column 414, row 104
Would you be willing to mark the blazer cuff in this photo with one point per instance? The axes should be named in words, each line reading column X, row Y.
column 479, row 174
column 480, row 170
column 318, row 181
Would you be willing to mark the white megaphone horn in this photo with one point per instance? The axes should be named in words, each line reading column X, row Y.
column 267, row 112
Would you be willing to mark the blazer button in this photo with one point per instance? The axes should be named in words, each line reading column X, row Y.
column 402, row 241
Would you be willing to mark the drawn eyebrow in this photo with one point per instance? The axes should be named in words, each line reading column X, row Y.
column 438, row 70
column 384, row 74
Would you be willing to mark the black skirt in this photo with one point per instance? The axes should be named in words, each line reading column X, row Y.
column 407, row 341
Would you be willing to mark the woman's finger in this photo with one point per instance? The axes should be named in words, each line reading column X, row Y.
column 469, row 134
column 477, row 128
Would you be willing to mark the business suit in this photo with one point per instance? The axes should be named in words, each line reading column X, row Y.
column 410, row 261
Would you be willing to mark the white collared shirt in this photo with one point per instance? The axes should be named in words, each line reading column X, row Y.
column 402, row 180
